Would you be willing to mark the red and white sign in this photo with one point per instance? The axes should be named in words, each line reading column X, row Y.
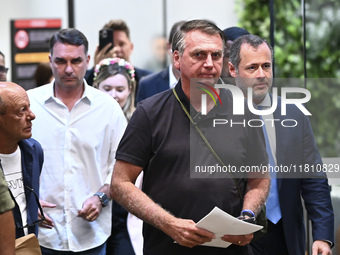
column 21, row 39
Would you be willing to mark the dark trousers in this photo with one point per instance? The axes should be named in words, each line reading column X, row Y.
column 119, row 242
column 272, row 243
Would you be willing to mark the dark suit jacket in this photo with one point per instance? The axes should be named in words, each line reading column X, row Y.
column 153, row 84
column 139, row 74
column 296, row 146
column 32, row 159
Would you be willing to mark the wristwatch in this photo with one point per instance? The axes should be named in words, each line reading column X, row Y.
column 103, row 198
column 248, row 213
column 248, row 216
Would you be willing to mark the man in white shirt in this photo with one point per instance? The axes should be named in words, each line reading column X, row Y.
column 79, row 128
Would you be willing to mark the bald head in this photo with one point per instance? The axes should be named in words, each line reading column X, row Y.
column 9, row 85
column 15, row 116
column 8, row 90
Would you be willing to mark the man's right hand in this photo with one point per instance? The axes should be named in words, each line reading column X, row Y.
column 186, row 233
column 100, row 55
column 48, row 222
column 123, row 190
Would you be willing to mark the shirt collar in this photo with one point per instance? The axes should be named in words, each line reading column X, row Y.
column 172, row 79
column 267, row 102
column 217, row 110
column 48, row 93
column 87, row 95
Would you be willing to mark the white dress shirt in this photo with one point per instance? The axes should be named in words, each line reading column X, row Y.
column 172, row 78
column 79, row 148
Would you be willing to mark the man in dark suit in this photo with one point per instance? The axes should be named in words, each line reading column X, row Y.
column 122, row 48
column 251, row 65
column 163, row 80
column 153, row 84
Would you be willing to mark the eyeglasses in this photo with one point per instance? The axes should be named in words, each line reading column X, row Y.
column 3, row 69
column 40, row 209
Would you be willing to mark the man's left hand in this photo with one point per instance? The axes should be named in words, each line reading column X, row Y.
column 321, row 247
column 91, row 210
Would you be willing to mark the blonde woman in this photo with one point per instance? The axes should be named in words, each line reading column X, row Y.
column 116, row 77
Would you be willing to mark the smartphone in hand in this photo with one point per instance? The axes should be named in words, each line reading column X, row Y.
column 105, row 37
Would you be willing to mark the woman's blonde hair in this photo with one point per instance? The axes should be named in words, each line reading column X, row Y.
column 112, row 66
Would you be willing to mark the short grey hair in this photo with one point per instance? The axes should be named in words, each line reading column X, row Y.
column 178, row 40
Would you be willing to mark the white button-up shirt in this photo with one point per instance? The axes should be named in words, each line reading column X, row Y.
column 79, row 148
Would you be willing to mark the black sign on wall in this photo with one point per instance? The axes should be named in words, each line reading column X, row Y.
column 29, row 47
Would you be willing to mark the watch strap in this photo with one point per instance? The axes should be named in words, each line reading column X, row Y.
column 103, row 198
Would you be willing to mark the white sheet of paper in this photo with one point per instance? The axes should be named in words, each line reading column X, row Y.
column 221, row 223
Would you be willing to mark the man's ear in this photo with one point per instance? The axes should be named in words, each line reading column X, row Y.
column 232, row 70
column 176, row 57
column 50, row 60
